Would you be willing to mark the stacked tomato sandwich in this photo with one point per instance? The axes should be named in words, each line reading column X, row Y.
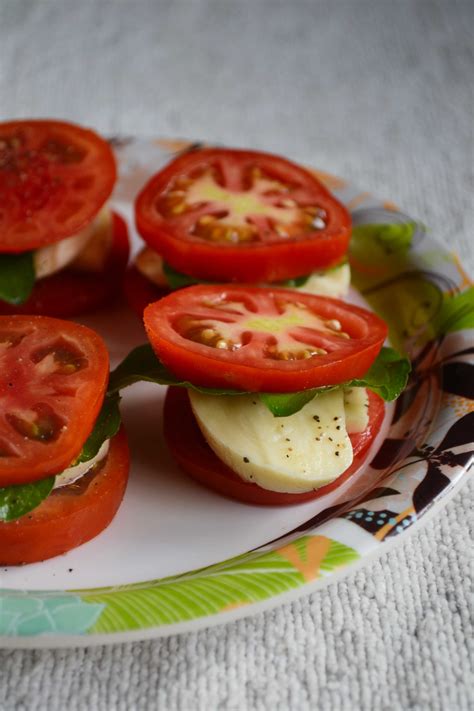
column 62, row 250
column 275, row 396
column 220, row 215
column 64, row 458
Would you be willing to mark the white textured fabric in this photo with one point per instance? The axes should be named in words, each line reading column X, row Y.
column 382, row 93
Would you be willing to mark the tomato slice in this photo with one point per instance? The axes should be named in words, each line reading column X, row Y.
column 230, row 215
column 53, row 376
column 262, row 339
column 54, row 178
column 70, row 293
column 70, row 515
column 191, row 451
column 140, row 291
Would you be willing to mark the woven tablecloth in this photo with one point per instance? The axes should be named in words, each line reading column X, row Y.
column 381, row 93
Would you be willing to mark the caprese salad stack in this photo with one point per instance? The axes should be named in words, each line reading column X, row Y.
column 220, row 215
column 63, row 252
column 64, row 458
column 275, row 395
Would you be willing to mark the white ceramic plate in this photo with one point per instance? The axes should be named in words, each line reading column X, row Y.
column 178, row 557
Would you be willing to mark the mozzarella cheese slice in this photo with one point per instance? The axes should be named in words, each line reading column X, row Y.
column 332, row 282
column 69, row 476
column 53, row 257
column 356, row 407
column 289, row 454
column 150, row 264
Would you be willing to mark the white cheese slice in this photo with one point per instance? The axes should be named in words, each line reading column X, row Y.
column 69, row 476
column 150, row 264
column 56, row 256
column 332, row 282
column 356, row 406
column 288, row 454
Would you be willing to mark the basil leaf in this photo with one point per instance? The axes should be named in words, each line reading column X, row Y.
column 142, row 364
column 20, row 499
column 387, row 376
column 106, row 426
column 17, row 277
column 286, row 404
column 176, row 280
column 294, row 283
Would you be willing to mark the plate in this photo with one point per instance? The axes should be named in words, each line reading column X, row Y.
column 178, row 557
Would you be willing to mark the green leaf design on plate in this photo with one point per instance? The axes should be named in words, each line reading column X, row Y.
column 28, row 614
column 456, row 313
column 17, row 277
column 240, row 581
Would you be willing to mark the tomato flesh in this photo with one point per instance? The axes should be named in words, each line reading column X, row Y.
column 230, row 215
column 70, row 292
column 54, row 178
column 71, row 515
column 262, row 339
column 53, row 376
column 191, row 451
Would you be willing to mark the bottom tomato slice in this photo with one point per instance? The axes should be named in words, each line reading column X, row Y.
column 140, row 291
column 70, row 293
column 191, row 451
column 71, row 515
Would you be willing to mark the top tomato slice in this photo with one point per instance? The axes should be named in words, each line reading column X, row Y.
column 230, row 215
column 262, row 340
column 53, row 376
column 54, row 178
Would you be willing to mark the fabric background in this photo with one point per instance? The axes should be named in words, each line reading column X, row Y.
column 379, row 92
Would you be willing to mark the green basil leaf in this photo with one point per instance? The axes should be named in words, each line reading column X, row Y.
column 17, row 277
column 176, row 280
column 286, row 404
column 142, row 364
column 20, row 499
column 294, row 283
column 106, row 426
column 387, row 376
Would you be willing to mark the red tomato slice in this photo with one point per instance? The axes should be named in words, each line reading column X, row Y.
column 70, row 293
column 70, row 515
column 230, row 215
column 54, row 178
column 262, row 340
column 140, row 291
column 53, row 376
column 191, row 451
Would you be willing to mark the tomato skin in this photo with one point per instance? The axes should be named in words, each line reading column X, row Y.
column 140, row 291
column 68, row 402
column 239, row 369
column 64, row 520
column 252, row 263
column 69, row 293
column 194, row 456
column 54, row 178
